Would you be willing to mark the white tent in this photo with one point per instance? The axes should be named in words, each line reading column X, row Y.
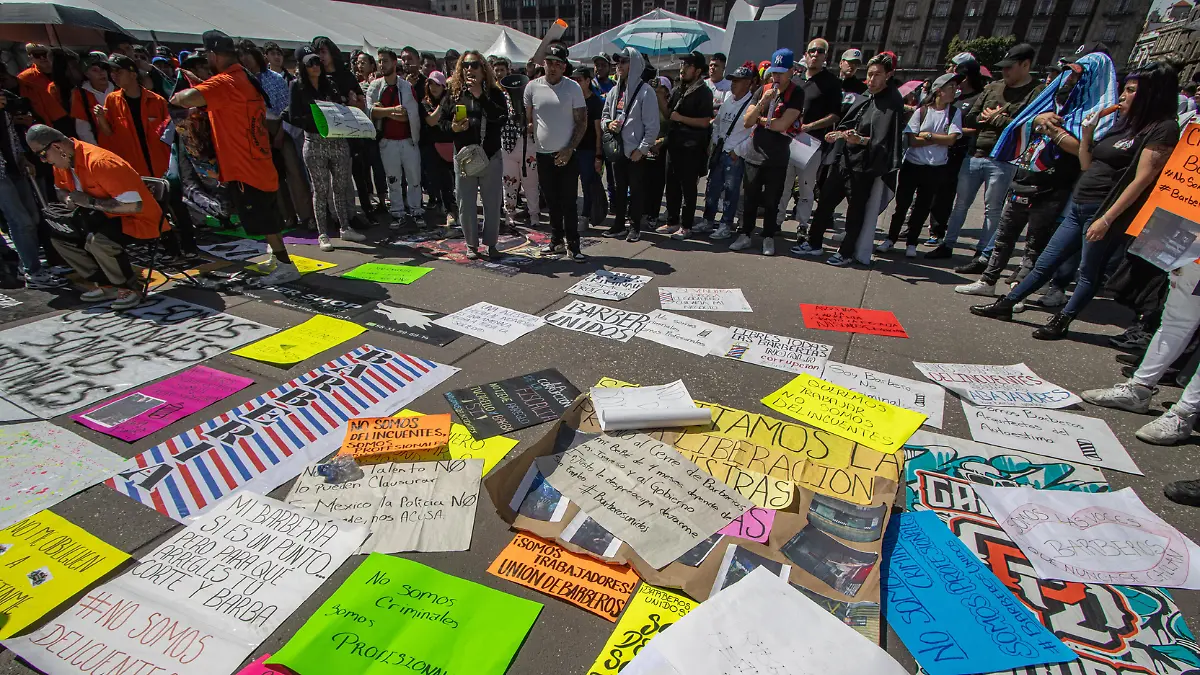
column 506, row 47
column 295, row 22
column 603, row 43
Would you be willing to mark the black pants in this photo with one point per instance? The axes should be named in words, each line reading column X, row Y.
column 761, row 186
column 560, row 185
column 629, row 192
column 1041, row 213
column 842, row 183
column 656, row 182
column 943, row 201
column 438, row 176
column 916, row 187
column 683, row 177
column 365, row 159
column 257, row 210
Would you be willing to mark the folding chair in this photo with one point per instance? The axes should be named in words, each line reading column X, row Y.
column 160, row 189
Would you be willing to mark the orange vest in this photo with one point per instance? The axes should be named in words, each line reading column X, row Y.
column 124, row 137
column 42, row 94
column 104, row 175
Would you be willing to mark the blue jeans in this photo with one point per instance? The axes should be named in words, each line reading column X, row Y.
column 1069, row 239
column 21, row 212
column 723, row 189
column 995, row 176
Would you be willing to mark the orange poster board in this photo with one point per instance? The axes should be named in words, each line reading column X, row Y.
column 1178, row 186
column 548, row 568
column 396, row 439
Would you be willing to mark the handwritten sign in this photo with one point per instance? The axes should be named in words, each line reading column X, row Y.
column 418, row 506
column 496, row 324
column 665, row 405
column 923, row 397
column 644, row 492
column 683, row 332
column 387, row 274
column 301, row 342
column 396, row 438
column 495, row 408
column 793, row 438
column 463, row 445
column 852, row 320
column 45, row 559
column 607, row 285
column 1014, row 386
column 651, row 611
column 201, row 602
column 953, row 614
column 395, row 615
column 847, row 413
column 548, row 568
column 1175, row 190
column 43, row 464
column 703, row 299
column 259, row 667
column 754, row 525
column 598, row 320
column 764, row 491
column 161, row 404
column 788, row 354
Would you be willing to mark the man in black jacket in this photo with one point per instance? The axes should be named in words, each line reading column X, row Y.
column 689, row 126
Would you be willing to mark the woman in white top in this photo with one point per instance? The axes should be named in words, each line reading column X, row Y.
column 931, row 130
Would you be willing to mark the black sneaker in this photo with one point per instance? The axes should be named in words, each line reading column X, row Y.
column 942, row 251
column 976, row 266
column 634, row 235
column 615, row 234
column 1130, row 359
column 1186, row 492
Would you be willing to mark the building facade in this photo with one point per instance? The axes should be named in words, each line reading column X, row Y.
column 586, row 18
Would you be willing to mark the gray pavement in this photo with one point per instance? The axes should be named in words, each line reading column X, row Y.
column 565, row 640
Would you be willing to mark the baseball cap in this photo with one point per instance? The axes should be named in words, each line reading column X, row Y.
column 1018, row 53
column 781, row 61
column 852, row 55
column 948, row 78
column 122, row 62
column 742, row 72
column 1089, row 48
column 584, row 71
column 163, row 50
column 557, row 52
column 439, row 77
column 160, row 59
column 96, row 59
column 695, row 59
column 216, row 41
column 601, row 57
column 963, row 59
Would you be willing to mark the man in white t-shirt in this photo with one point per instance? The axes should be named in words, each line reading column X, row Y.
column 717, row 82
column 557, row 114
column 725, row 170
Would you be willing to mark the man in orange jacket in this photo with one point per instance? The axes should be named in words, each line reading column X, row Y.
column 131, row 121
column 90, row 177
column 41, row 91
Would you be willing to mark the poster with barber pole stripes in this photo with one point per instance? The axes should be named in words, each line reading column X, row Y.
column 270, row 439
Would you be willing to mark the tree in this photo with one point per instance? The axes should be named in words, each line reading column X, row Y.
column 987, row 50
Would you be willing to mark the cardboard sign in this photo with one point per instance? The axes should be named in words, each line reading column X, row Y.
column 923, row 397
column 598, row 320
column 548, row 568
column 45, row 560
column 463, row 445
column 1014, row 386
column 703, row 299
column 852, row 320
column 495, row 408
column 847, row 413
column 651, row 611
column 394, row 616
column 607, row 285
column 310, row 300
column 788, row 354
column 1175, row 191
column 683, row 332
column 396, row 439
column 161, row 404
column 493, row 323
column 408, row 322
column 387, row 274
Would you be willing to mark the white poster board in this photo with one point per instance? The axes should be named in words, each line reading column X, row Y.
column 334, row 120
column 496, row 324
column 923, row 397
column 1014, row 386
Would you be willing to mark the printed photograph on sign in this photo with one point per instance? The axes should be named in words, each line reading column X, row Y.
column 699, row 553
column 845, row 520
column 607, row 285
column 738, row 562
column 537, row 499
column 863, row 617
column 591, row 536
column 122, row 410
column 1168, row 241
column 408, row 322
column 843, row 568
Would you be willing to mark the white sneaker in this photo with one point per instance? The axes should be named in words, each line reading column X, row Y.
column 1174, row 426
column 977, row 288
column 99, row 294
column 269, row 265
column 742, row 242
column 324, row 243
column 769, row 246
column 702, row 227
column 910, row 252
column 682, row 235
column 284, row 273
column 721, row 233
column 884, row 246
column 127, row 298
column 1053, row 298
column 349, row 234
column 1131, row 396
column 1019, row 307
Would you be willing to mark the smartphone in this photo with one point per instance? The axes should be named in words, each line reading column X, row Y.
column 460, row 113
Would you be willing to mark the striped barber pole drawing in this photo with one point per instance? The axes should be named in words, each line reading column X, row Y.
column 269, row 440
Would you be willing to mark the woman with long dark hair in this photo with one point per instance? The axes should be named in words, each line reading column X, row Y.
column 1118, row 173
column 437, row 149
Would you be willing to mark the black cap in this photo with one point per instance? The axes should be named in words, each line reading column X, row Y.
column 741, row 73
column 122, row 62
column 303, row 51
column 1018, row 53
column 695, row 59
column 584, row 71
column 1089, row 48
column 216, row 41
column 601, row 57
column 96, row 59
column 557, row 52
column 199, row 56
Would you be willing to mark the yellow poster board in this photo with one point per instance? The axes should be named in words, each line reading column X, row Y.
column 463, row 445
column 303, row 265
column 300, row 342
column 651, row 611
column 847, row 413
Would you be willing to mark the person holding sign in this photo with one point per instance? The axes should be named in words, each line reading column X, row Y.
column 1118, row 174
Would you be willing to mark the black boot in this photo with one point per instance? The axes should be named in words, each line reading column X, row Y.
column 1056, row 329
column 1186, row 492
column 1001, row 309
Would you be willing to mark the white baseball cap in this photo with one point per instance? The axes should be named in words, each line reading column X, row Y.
column 852, row 55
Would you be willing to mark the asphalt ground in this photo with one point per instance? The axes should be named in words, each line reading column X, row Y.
column 565, row 640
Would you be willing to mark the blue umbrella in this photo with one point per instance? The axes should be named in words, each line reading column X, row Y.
column 655, row 37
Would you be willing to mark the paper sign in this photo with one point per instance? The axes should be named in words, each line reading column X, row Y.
column 754, row 525
column 463, row 445
column 651, row 611
column 43, row 464
column 765, row 492
column 417, row 506
column 494, row 408
column 923, row 397
column 852, row 320
column 1014, row 386
column 952, row 613
column 683, row 332
column 303, row 265
column 496, row 324
column 849, row 414
column 269, row 440
column 310, row 300
column 622, row 483
column 396, row 439
column 161, row 404
column 788, row 354
column 1174, row 192
column 667, row 405
column 408, row 322
column 203, row 600
column 388, row 274
column 548, row 568
column 236, row 250
column 703, row 299
column 751, row 627
column 598, row 320
column 1168, row 241
column 607, row 285
column 1053, row 433
column 259, row 667
column 7, row 301
column 65, row 362
column 398, row 616
column 44, row 561
column 334, row 120
column 1104, row 538
column 737, row 562
column 301, row 342
column 799, row 440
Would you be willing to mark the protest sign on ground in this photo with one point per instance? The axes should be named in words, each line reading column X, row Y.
column 394, row 615
column 923, row 397
column 852, row 320
column 737, row 562
column 496, row 324
column 303, row 265
column 683, row 332
column 417, row 506
column 161, row 404
column 387, row 274
column 607, row 285
column 270, row 439
column 44, row 560
column 702, row 299
column 495, row 408
column 651, row 611
column 847, row 413
column 301, row 342
column 408, row 322
column 311, row 300
column 43, row 464
column 598, row 320
column 728, row 460
column 56, row 365
column 754, row 525
column 1014, row 386
column 236, row 250
column 788, row 354
column 666, row 405
column 591, row 536
column 463, row 445
column 201, row 602
column 410, row 438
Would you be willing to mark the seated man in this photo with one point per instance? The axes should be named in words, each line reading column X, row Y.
column 90, row 177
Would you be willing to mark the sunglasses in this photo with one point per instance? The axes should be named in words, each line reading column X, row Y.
column 816, row 50
column 42, row 153
column 473, row 64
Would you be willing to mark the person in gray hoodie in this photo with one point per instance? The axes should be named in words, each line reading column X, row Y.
column 631, row 110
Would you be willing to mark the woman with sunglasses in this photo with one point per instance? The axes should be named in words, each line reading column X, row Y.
column 475, row 111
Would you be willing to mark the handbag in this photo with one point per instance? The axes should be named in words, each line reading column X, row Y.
column 471, row 160
column 72, row 223
column 718, row 148
column 613, row 142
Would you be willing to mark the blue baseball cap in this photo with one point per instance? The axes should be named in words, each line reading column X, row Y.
column 781, row 61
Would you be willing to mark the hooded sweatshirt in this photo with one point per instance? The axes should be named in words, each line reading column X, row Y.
column 639, row 114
